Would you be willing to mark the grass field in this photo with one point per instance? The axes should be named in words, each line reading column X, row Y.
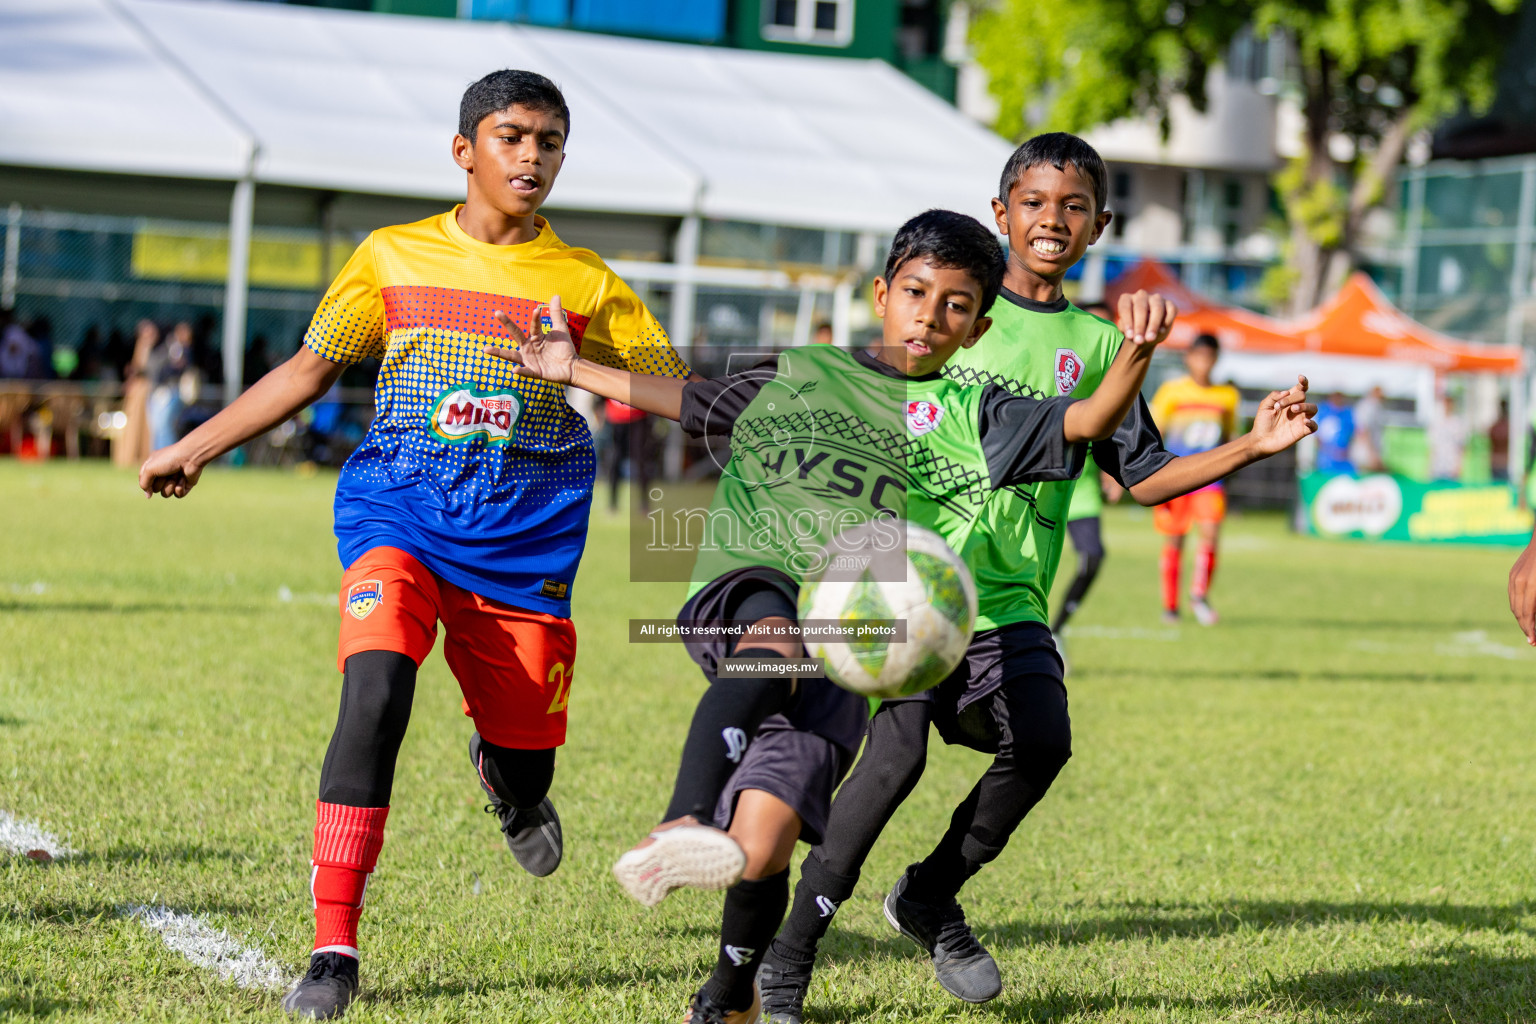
column 1323, row 809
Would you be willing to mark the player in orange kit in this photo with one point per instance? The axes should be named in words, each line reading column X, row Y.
column 1194, row 416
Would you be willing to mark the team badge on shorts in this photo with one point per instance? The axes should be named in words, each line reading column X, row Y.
column 1069, row 370
column 923, row 416
column 363, row 597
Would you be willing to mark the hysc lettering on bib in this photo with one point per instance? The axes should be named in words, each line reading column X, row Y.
column 464, row 414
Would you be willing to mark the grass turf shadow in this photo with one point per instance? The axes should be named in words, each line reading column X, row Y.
column 1174, row 920
column 1449, row 984
column 20, row 1000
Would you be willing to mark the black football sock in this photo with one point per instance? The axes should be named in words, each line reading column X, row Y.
column 982, row 825
column 377, row 688
column 753, row 910
column 520, row 777
column 723, row 724
column 818, row 894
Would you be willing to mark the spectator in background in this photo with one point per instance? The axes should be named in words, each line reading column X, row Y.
column 1447, row 442
column 1335, row 431
column 1365, row 449
column 18, row 351
column 823, row 335
column 257, row 362
column 41, row 330
column 628, row 430
column 1498, row 444
column 167, row 363
column 207, row 354
column 133, row 445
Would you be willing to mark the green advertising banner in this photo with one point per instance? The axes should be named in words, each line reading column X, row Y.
column 1383, row 507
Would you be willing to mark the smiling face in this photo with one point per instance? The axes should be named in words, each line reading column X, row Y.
column 929, row 314
column 514, row 158
column 1050, row 220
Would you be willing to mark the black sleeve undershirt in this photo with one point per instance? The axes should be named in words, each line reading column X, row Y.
column 711, row 407
column 1135, row 451
column 1024, row 439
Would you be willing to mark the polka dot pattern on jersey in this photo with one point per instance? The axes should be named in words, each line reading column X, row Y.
column 483, row 475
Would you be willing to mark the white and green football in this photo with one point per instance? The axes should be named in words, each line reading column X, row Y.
column 889, row 570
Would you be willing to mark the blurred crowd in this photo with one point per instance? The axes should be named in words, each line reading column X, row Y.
column 1351, row 437
column 141, row 391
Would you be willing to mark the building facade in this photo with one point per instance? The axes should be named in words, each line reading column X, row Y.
column 908, row 34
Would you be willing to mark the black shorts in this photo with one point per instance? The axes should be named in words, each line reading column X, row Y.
column 744, row 595
column 802, row 754
column 799, row 767
column 963, row 704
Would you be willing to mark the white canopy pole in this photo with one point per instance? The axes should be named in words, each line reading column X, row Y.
column 684, row 299
column 242, row 207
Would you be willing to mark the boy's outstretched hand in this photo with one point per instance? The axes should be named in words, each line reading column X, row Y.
column 1284, row 418
column 169, row 473
column 1522, row 592
column 1145, row 318
column 545, row 355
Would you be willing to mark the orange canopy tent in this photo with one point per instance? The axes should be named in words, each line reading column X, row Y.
column 1357, row 322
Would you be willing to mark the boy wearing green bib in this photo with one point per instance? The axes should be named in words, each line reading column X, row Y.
column 821, row 441
column 1008, row 699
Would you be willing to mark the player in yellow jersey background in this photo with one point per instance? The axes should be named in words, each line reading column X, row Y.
column 1194, row 416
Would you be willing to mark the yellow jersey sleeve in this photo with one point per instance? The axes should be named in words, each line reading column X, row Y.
column 349, row 325
column 1231, row 399
column 623, row 334
column 1163, row 401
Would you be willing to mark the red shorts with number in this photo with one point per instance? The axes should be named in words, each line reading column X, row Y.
column 514, row 666
column 1174, row 518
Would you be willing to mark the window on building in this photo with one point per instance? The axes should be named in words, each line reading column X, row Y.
column 1120, row 203
column 819, row 22
column 1232, row 191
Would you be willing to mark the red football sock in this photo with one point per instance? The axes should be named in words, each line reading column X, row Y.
column 1169, row 565
column 1205, row 568
column 347, row 843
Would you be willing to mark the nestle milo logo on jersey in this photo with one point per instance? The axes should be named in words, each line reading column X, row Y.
column 464, row 414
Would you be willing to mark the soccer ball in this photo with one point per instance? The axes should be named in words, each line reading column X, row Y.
column 889, row 569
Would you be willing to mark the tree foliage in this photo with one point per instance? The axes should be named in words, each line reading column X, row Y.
column 1366, row 75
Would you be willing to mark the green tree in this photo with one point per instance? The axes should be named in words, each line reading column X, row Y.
column 1368, row 75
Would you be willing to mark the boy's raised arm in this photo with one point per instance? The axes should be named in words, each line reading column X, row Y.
column 1284, row 418
column 1145, row 321
column 174, row 470
column 551, row 355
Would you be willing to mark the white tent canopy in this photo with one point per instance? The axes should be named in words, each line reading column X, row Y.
column 274, row 94
column 367, row 103
column 80, row 88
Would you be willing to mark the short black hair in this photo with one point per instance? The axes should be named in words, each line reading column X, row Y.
column 1060, row 150
column 502, row 89
column 953, row 241
column 1209, row 341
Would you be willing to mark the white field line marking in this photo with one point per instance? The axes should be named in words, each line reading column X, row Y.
column 17, row 835
column 287, row 596
column 1476, row 643
column 210, row 947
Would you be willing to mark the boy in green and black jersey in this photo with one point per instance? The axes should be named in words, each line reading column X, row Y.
column 1008, row 699
column 821, row 441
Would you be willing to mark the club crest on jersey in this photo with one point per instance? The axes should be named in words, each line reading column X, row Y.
column 1069, row 370
column 464, row 414
column 923, row 416
column 363, row 597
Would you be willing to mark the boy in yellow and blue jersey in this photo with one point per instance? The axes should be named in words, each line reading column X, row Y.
column 1194, row 416
column 466, row 503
